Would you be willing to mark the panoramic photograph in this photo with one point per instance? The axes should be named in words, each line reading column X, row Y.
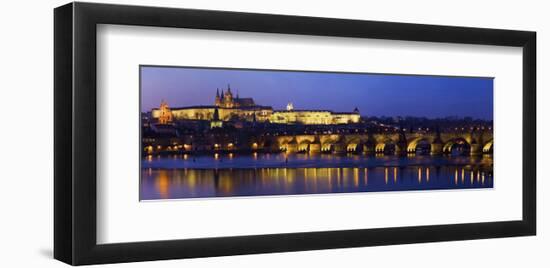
column 221, row 132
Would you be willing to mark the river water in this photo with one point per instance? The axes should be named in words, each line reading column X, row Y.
column 187, row 176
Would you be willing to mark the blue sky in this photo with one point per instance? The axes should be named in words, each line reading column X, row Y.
column 373, row 94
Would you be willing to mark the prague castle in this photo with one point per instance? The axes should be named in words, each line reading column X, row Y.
column 227, row 107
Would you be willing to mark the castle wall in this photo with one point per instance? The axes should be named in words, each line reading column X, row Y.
column 225, row 114
column 346, row 118
column 194, row 113
column 155, row 113
column 313, row 117
column 262, row 115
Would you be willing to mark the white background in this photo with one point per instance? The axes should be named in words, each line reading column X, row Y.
column 27, row 106
column 121, row 49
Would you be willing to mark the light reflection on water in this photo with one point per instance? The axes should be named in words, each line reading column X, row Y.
column 183, row 177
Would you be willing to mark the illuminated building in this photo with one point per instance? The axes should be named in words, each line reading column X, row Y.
column 164, row 114
column 226, row 100
column 226, row 108
column 313, row 117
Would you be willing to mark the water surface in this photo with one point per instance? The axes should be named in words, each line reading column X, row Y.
column 187, row 176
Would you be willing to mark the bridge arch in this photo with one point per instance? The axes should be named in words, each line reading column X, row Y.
column 386, row 147
column 458, row 146
column 327, row 147
column 420, row 145
column 303, row 146
column 488, row 147
column 328, row 142
column 283, row 146
column 354, row 145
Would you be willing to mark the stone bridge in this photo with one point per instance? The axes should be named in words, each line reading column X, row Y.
column 473, row 143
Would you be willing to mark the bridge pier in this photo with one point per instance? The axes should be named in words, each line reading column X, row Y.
column 314, row 147
column 339, row 148
column 400, row 149
column 368, row 148
column 291, row 148
column 476, row 149
column 436, row 149
column 401, row 145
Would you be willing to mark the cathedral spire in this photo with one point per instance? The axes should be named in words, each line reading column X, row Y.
column 217, row 100
column 228, row 89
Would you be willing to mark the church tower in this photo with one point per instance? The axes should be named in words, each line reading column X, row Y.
column 165, row 113
column 217, row 100
column 228, row 98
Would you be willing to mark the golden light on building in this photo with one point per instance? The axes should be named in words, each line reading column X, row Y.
column 313, row 117
column 226, row 107
column 165, row 114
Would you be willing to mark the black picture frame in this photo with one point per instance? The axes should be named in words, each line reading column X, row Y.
column 75, row 133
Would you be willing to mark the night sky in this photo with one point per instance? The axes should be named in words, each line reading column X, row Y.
column 373, row 94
